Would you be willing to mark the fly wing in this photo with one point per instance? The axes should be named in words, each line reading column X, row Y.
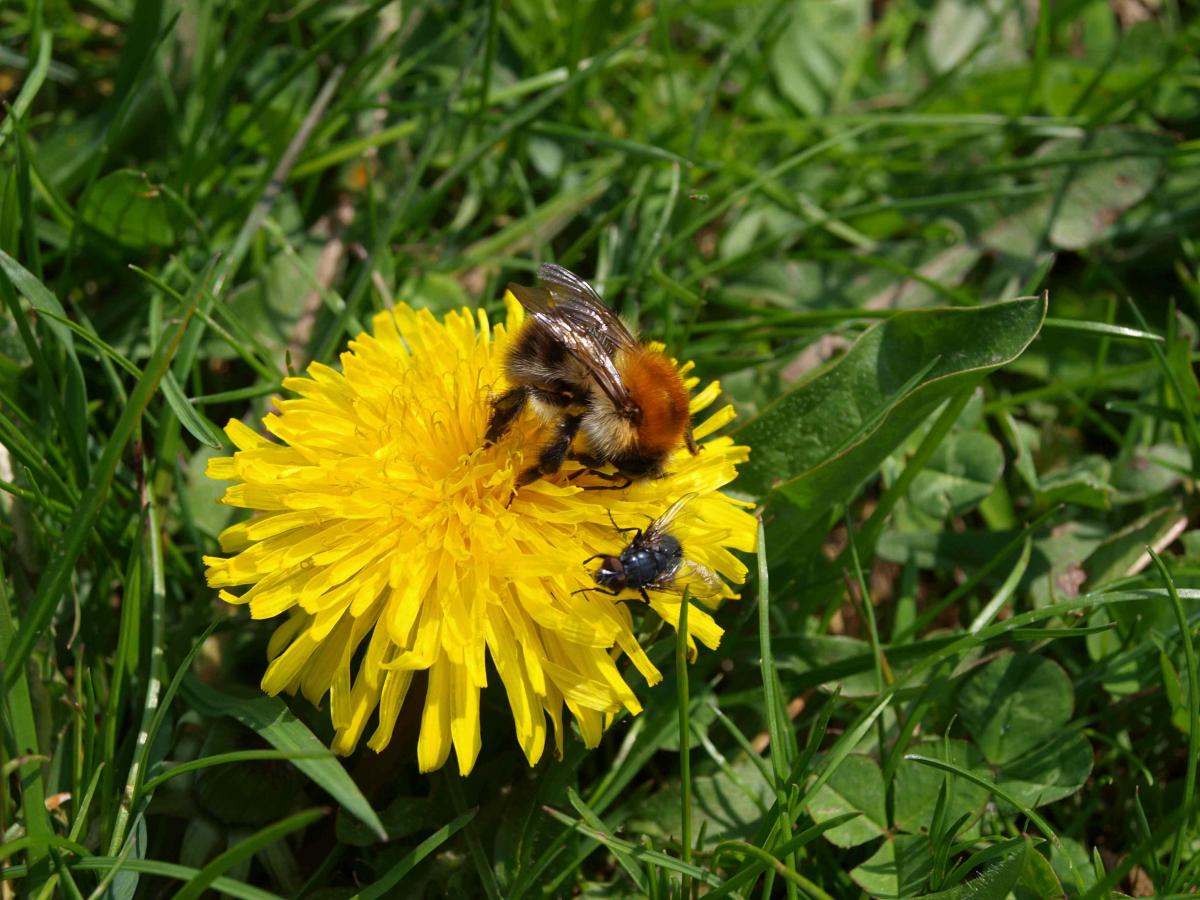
column 662, row 524
column 700, row 581
column 567, row 308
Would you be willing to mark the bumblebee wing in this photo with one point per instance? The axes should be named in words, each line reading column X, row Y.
column 568, row 309
column 662, row 524
column 577, row 301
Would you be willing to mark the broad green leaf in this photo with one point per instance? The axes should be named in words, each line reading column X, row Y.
column 962, row 471
column 270, row 718
column 996, row 881
column 1097, row 195
column 810, row 55
column 1117, row 554
column 1116, row 169
column 944, row 550
column 855, row 786
column 130, row 209
column 403, row 816
column 1121, row 673
column 1070, row 859
column 916, row 786
column 847, row 661
column 817, row 443
column 897, row 869
column 1037, row 879
column 1085, row 482
column 1015, row 703
column 1055, row 768
column 957, row 26
column 1148, row 471
column 701, row 715
column 243, row 794
column 728, row 804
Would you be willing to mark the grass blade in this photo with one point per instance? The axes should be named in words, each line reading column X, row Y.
column 202, row 880
column 1193, row 701
column 270, row 718
column 53, row 584
column 393, row 876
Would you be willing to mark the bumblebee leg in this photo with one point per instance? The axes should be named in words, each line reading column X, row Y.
column 587, row 460
column 626, row 482
column 690, row 440
column 505, row 408
column 551, row 458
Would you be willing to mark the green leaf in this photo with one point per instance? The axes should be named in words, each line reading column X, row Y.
column 810, row 55
column 956, row 28
column 270, row 718
column 1117, row 554
column 1148, row 471
column 898, row 868
column 1114, row 170
column 916, row 786
column 1070, row 860
column 1055, row 768
column 130, row 209
column 995, row 883
column 855, row 786
column 963, row 470
column 1097, row 195
column 1085, row 482
column 727, row 805
column 1037, row 879
column 1014, row 703
column 801, row 654
column 817, row 443
column 196, row 423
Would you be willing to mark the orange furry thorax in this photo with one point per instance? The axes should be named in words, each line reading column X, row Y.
column 656, row 387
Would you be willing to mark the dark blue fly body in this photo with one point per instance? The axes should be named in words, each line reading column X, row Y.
column 653, row 560
column 642, row 564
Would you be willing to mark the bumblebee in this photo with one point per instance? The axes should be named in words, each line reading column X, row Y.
column 582, row 371
column 653, row 560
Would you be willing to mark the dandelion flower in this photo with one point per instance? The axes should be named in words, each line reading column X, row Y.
column 395, row 543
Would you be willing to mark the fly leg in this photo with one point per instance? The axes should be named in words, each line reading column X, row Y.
column 637, row 532
column 598, row 590
column 551, row 457
column 505, row 408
